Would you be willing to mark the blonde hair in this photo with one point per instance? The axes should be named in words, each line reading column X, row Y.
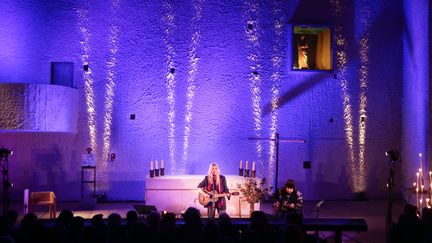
column 210, row 175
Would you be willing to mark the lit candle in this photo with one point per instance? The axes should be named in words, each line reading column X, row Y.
column 162, row 164
column 157, row 165
column 421, row 180
column 430, row 177
column 421, row 203
column 417, row 190
column 151, row 165
column 430, row 186
column 241, row 164
column 253, row 166
column 421, row 162
column 247, row 165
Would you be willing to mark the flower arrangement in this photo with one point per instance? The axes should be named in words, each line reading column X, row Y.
column 253, row 191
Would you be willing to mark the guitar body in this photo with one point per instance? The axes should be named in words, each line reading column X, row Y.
column 213, row 196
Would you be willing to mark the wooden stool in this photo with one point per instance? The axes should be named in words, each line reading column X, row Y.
column 44, row 198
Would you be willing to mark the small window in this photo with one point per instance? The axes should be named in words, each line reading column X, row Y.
column 312, row 49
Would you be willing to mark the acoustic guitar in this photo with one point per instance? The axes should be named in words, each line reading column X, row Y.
column 213, row 196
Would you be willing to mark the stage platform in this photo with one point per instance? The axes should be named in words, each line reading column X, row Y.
column 373, row 212
column 177, row 193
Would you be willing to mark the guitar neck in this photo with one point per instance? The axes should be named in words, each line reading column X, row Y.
column 215, row 194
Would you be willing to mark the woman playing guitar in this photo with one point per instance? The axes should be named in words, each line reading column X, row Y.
column 214, row 184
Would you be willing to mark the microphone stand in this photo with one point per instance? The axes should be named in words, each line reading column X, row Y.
column 6, row 184
column 389, row 220
column 317, row 212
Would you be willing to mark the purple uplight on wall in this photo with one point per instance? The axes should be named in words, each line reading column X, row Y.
column 168, row 20
column 193, row 69
column 252, row 31
column 111, row 81
column 88, row 76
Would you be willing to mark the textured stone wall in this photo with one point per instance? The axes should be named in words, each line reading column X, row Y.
column 38, row 108
column 201, row 77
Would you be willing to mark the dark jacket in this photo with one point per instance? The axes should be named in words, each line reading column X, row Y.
column 223, row 188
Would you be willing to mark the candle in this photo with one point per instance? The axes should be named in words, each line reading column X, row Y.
column 430, row 181
column 241, row 164
column 421, row 180
column 417, row 190
column 162, row 164
column 247, row 165
column 157, row 165
column 430, row 177
column 253, row 165
column 421, row 162
column 151, row 165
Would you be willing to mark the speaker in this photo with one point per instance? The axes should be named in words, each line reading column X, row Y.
column 62, row 73
column 306, row 164
column 145, row 209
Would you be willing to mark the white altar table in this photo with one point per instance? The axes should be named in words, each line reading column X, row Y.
column 177, row 193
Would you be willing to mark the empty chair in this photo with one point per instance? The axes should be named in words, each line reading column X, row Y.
column 44, row 198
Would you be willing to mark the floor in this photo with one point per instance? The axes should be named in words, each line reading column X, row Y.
column 373, row 211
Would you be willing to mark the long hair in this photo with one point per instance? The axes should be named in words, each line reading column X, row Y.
column 210, row 175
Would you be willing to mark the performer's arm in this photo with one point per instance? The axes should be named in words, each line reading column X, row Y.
column 224, row 185
column 201, row 186
column 299, row 203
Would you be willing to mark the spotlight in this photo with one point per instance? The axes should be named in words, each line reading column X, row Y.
column 392, row 156
column 4, row 152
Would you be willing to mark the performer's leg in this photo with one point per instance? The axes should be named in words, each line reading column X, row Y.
column 221, row 211
column 211, row 212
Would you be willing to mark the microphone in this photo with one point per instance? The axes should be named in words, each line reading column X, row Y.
column 317, row 207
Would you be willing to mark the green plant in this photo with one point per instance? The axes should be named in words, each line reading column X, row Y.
column 253, row 191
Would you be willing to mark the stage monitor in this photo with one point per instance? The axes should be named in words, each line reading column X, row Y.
column 145, row 209
column 311, row 48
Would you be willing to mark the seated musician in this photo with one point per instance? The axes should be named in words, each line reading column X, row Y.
column 214, row 188
column 288, row 200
